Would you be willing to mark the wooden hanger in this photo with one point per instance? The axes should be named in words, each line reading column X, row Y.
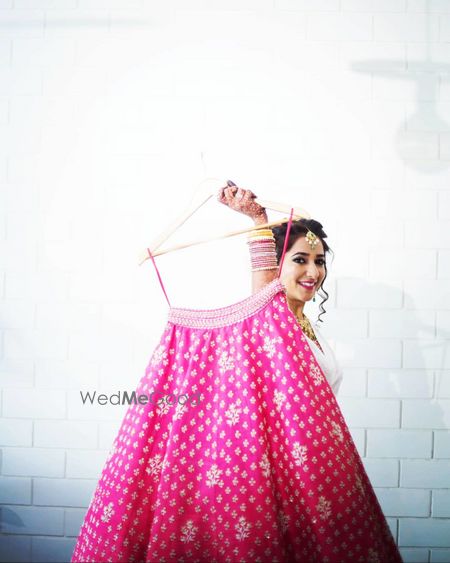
column 207, row 189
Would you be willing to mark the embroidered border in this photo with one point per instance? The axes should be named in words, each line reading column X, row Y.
column 212, row 318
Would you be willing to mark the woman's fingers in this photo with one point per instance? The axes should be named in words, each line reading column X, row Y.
column 221, row 195
column 229, row 193
column 226, row 196
column 236, row 198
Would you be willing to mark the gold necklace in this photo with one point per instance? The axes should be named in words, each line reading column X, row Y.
column 306, row 327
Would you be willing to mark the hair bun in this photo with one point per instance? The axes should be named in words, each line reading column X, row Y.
column 316, row 227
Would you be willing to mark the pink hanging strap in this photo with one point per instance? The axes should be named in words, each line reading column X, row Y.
column 159, row 277
column 288, row 230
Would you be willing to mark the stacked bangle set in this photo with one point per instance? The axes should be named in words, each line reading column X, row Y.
column 263, row 255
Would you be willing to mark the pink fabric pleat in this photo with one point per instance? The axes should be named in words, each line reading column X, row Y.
column 259, row 467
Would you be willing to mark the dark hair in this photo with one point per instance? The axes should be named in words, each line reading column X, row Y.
column 300, row 228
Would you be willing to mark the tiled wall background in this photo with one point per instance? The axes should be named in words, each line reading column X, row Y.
column 110, row 113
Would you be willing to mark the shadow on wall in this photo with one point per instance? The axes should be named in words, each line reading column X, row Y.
column 412, row 139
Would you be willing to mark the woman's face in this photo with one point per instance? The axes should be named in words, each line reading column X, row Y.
column 301, row 265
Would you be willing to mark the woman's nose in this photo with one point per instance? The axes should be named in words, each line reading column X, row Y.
column 312, row 270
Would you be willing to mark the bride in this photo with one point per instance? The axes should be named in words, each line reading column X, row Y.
column 304, row 268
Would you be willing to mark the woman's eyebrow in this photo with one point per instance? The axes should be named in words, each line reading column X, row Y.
column 306, row 254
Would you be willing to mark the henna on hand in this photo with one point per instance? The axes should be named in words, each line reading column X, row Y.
column 241, row 200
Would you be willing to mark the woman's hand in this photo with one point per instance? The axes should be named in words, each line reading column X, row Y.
column 243, row 201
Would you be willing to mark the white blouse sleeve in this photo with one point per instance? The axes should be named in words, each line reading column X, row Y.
column 337, row 382
column 327, row 361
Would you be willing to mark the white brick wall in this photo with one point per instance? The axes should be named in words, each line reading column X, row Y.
column 15, row 548
column 85, row 464
column 415, row 531
column 441, row 444
column 404, row 502
column 32, row 520
column 61, row 492
column 73, row 520
column 34, row 403
column 15, row 490
column 36, row 462
column 64, row 434
column 52, row 549
column 425, row 473
column 441, row 504
column 382, row 472
column 399, row 443
column 332, row 102
column 399, row 383
column 16, row 432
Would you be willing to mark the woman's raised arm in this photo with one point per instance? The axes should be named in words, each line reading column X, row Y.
column 262, row 252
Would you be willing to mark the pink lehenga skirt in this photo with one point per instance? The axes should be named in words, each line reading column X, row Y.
column 259, row 467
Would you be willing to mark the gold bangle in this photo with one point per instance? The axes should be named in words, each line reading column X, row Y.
column 253, row 239
column 264, row 268
column 260, row 232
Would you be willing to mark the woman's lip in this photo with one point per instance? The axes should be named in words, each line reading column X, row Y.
column 308, row 287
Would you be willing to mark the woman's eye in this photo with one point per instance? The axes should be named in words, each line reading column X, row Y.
column 320, row 261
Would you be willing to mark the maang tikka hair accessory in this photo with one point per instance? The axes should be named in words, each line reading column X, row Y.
column 312, row 239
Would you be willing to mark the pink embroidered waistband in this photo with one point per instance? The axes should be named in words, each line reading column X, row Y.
column 211, row 318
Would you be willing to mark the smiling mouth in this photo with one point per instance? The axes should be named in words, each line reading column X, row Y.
column 307, row 286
